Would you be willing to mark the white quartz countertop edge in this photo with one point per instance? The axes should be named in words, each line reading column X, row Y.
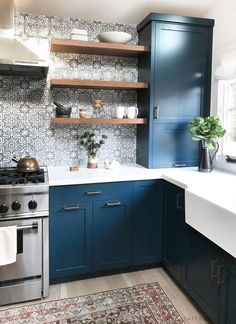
column 61, row 176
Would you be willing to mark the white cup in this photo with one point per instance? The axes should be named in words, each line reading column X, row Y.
column 132, row 112
column 119, row 112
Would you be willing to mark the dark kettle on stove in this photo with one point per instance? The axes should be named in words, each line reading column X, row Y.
column 26, row 164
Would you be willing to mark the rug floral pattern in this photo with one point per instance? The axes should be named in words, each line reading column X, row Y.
column 141, row 304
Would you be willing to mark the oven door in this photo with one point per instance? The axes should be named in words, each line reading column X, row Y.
column 28, row 263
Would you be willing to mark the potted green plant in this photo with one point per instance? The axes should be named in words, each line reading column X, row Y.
column 88, row 141
column 207, row 130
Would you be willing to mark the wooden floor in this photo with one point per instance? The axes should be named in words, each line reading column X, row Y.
column 77, row 288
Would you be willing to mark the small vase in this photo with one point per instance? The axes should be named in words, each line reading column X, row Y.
column 206, row 159
column 92, row 162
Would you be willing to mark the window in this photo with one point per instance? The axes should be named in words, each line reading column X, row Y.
column 227, row 114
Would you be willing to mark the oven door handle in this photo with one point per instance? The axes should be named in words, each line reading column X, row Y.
column 24, row 227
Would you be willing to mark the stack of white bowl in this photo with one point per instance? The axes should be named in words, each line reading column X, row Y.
column 79, row 34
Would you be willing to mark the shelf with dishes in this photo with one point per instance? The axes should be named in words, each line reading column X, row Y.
column 97, row 48
column 97, row 84
column 100, row 121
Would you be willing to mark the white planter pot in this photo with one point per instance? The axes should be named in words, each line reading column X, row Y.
column 92, row 163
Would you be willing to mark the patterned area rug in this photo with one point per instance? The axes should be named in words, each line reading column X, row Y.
column 146, row 304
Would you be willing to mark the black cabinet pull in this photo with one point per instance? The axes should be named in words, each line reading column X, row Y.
column 178, row 201
column 156, row 112
column 90, row 193
column 213, row 272
column 113, row 204
column 220, row 275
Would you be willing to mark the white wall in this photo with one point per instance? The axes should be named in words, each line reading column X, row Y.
column 224, row 13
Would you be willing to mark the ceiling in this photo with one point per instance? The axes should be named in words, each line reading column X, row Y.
column 122, row 11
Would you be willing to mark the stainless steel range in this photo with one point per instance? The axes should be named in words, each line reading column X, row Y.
column 24, row 203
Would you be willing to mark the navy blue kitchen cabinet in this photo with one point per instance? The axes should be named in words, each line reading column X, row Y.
column 147, row 222
column 228, row 297
column 178, row 70
column 227, row 280
column 112, row 234
column 204, row 274
column 70, row 237
column 90, row 228
column 174, row 230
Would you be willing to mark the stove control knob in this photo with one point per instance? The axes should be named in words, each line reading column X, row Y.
column 32, row 204
column 16, row 205
column 3, row 209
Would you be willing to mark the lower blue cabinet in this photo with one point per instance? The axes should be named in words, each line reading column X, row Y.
column 104, row 226
column 228, row 292
column 112, row 234
column 203, row 274
column 147, row 222
column 174, row 230
column 70, row 239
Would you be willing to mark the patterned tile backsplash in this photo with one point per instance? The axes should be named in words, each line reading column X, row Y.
column 26, row 103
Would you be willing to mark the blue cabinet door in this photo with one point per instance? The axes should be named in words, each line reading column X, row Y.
column 174, row 230
column 229, row 301
column 173, row 146
column 70, row 238
column 112, row 234
column 203, row 268
column 147, row 222
column 181, row 63
column 227, row 282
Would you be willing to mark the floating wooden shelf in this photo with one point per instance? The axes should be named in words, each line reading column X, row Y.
column 96, row 121
column 96, row 84
column 97, row 48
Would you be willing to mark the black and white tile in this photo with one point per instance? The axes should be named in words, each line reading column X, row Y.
column 26, row 104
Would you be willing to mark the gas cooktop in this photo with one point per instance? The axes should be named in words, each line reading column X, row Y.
column 10, row 176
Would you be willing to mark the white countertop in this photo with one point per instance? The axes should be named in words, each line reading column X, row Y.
column 210, row 198
column 217, row 186
column 59, row 176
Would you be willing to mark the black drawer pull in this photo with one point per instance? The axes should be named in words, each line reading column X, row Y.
column 90, row 193
column 179, row 165
column 70, row 208
column 113, row 204
column 178, row 201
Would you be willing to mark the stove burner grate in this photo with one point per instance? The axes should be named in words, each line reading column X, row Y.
column 10, row 176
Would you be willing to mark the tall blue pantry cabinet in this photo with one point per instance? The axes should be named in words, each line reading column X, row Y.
column 178, row 69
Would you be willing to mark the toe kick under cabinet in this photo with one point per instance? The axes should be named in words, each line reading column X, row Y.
column 106, row 226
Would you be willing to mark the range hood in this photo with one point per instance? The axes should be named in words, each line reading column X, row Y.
column 15, row 57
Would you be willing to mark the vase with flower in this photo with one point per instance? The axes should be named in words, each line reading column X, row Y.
column 91, row 145
column 207, row 130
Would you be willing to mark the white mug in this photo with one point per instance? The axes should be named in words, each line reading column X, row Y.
column 132, row 112
column 119, row 112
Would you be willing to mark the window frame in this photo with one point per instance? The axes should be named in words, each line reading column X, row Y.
column 223, row 108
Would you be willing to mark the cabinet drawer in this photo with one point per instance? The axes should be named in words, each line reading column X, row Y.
column 70, row 195
column 142, row 184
